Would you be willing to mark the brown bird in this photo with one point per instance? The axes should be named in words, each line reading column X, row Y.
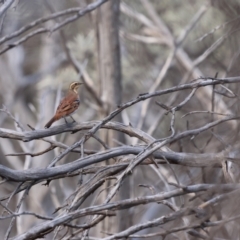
column 68, row 105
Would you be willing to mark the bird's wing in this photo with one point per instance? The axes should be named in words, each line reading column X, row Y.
column 68, row 104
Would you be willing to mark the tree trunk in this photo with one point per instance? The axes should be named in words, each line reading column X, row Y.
column 109, row 69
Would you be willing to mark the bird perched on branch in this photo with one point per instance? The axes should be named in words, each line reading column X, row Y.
column 68, row 105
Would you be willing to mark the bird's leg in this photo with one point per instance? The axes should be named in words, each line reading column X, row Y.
column 72, row 119
column 65, row 120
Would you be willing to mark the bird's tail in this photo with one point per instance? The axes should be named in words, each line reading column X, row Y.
column 50, row 122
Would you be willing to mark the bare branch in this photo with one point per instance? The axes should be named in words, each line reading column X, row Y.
column 7, row 4
column 49, row 225
column 56, row 27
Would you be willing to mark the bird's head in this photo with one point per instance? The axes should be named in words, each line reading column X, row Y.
column 74, row 86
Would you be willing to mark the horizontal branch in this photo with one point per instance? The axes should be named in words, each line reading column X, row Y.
column 38, row 174
column 38, row 134
column 30, row 135
column 196, row 84
column 41, row 228
column 186, row 159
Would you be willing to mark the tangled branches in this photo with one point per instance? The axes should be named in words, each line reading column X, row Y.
column 76, row 215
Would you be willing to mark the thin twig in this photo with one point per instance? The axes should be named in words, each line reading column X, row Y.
column 56, row 27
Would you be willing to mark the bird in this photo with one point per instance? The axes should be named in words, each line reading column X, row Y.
column 68, row 105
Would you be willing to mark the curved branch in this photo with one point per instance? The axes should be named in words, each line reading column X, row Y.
column 57, row 26
column 185, row 159
column 47, row 226
column 38, row 22
column 28, row 136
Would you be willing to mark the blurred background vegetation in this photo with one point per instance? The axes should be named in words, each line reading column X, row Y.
column 162, row 44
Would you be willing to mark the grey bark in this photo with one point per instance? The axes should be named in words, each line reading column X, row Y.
column 109, row 67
